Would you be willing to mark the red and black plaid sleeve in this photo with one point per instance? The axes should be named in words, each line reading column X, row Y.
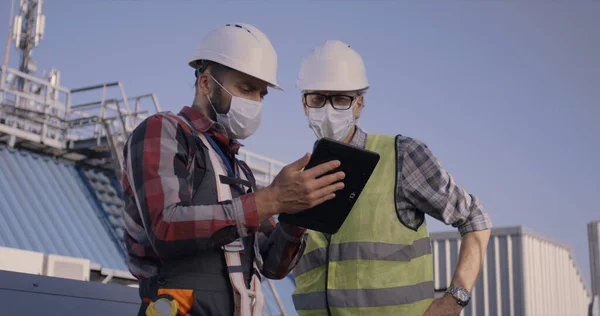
column 156, row 163
column 161, row 220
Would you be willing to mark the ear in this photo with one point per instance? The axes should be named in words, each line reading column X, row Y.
column 359, row 106
column 203, row 84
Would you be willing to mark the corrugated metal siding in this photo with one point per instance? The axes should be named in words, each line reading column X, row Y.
column 594, row 244
column 57, row 207
column 496, row 291
column 45, row 207
column 108, row 197
column 522, row 274
column 553, row 282
column 106, row 192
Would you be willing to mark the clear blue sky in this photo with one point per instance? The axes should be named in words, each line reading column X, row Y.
column 505, row 93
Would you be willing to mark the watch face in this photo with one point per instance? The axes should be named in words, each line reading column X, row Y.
column 462, row 295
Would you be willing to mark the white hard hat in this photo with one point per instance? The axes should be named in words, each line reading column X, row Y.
column 242, row 47
column 332, row 66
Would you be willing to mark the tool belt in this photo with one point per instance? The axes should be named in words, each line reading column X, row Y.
column 220, row 282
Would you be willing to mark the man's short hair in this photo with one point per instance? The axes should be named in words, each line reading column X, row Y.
column 216, row 70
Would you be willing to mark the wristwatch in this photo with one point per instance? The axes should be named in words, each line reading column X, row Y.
column 461, row 295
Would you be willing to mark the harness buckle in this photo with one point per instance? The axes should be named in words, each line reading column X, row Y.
column 259, row 262
column 235, row 246
column 252, row 296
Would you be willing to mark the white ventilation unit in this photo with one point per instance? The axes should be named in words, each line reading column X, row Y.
column 23, row 261
column 68, row 267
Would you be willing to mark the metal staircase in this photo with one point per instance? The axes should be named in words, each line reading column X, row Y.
column 101, row 127
column 40, row 117
column 36, row 114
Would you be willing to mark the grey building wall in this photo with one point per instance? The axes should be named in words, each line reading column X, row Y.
column 28, row 294
column 594, row 244
column 523, row 273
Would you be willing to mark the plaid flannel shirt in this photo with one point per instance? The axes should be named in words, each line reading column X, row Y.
column 426, row 188
column 159, row 161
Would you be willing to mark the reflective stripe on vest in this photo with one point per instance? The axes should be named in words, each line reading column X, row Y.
column 247, row 301
column 374, row 265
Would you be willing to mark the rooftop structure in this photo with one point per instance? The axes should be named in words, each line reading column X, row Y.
column 60, row 160
column 594, row 245
column 524, row 273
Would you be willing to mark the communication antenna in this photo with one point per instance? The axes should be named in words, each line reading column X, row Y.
column 8, row 38
column 28, row 29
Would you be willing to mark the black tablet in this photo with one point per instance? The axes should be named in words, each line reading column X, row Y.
column 357, row 164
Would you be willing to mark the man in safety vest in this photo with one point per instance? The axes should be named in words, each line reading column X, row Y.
column 379, row 262
column 199, row 233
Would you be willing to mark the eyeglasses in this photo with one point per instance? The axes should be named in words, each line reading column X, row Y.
column 338, row 101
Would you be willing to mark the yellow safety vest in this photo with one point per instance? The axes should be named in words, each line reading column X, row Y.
column 373, row 265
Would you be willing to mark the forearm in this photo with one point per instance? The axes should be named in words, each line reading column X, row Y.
column 181, row 229
column 470, row 260
column 266, row 204
column 281, row 249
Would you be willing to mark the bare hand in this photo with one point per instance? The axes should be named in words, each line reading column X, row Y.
column 443, row 306
column 296, row 190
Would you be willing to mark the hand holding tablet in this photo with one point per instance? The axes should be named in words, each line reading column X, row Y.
column 297, row 188
column 329, row 159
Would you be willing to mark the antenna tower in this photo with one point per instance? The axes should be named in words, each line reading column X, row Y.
column 28, row 29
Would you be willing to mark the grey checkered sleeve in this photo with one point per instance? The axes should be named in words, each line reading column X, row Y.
column 433, row 191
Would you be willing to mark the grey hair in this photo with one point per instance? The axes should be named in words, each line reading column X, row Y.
column 362, row 92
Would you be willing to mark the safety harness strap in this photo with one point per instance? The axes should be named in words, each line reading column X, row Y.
column 235, row 181
column 248, row 302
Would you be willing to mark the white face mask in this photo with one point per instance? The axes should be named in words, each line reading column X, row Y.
column 329, row 122
column 243, row 117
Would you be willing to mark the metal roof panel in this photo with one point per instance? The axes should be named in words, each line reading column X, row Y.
column 46, row 207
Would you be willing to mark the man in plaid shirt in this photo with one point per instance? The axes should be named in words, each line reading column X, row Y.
column 197, row 229
column 379, row 262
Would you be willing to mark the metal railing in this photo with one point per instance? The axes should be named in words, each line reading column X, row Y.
column 87, row 118
column 264, row 168
column 37, row 111
column 108, row 119
column 42, row 113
